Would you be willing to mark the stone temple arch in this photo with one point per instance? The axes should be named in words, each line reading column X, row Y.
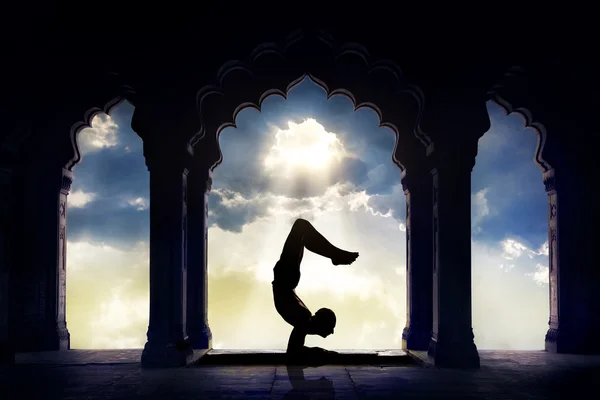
column 192, row 153
column 38, row 298
column 522, row 92
column 436, row 104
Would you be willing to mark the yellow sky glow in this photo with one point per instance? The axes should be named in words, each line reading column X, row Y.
column 108, row 288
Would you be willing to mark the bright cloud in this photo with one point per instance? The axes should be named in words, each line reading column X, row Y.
column 102, row 134
column 542, row 274
column 116, row 314
column 513, row 249
column 139, row 203
column 80, row 199
column 107, row 295
column 97, row 256
column 303, row 146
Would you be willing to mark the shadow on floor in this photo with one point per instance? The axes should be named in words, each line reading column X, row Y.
column 262, row 357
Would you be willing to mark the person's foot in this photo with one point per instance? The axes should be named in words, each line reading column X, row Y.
column 344, row 258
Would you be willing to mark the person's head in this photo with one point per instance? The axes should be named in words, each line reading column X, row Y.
column 323, row 322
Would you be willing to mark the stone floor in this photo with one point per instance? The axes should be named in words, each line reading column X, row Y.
column 116, row 374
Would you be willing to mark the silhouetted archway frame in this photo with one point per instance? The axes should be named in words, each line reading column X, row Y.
column 343, row 69
column 512, row 96
column 113, row 95
column 340, row 69
column 53, row 157
column 504, row 96
column 346, row 69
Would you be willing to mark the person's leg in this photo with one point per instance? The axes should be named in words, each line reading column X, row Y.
column 303, row 234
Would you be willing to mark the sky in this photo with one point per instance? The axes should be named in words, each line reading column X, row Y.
column 318, row 159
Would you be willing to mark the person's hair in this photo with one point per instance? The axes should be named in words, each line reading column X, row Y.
column 326, row 315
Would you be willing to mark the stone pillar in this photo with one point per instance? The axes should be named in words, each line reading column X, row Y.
column 452, row 342
column 574, row 303
column 200, row 181
column 167, row 344
column 419, row 261
column 7, row 355
column 37, row 313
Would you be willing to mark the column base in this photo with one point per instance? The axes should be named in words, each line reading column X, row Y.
column 166, row 355
column 31, row 337
column 415, row 338
column 201, row 339
column 58, row 338
column 572, row 342
column 451, row 354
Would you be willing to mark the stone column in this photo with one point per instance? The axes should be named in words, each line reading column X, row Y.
column 419, row 260
column 37, row 312
column 452, row 342
column 58, row 290
column 167, row 344
column 200, row 181
column 573, row 278
column 6, row 351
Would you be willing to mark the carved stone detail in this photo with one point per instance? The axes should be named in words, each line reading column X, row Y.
column 62, row 237
column 66, row 183
column 380, row 85
column 512, row 94
column 550, row 180
column 112, row 91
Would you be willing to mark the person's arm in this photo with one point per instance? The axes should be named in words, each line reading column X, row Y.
column 296, row 341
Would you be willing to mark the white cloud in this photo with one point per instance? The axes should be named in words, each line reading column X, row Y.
column 513, row 249
column 139, row 203
column 79, row 198
column 479, row 208
column 86, row 255
column 303, row 146
column 107, row 295
column 120, row 312
column 541, row 276
column 544, row 249
column 102, row 134
column 510, row 310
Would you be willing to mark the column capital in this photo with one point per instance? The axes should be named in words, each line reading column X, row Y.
column 167, row 154
column 201, row 174
column 414, row 178
column 161, row 118
column 459, row 156
column 66, row 181
column 549, row 178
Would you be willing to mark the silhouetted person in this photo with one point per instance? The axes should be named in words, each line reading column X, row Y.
column 288, row 304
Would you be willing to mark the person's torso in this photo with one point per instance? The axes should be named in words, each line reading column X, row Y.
column 286, row 275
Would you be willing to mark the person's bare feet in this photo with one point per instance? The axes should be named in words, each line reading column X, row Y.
column 344, row 258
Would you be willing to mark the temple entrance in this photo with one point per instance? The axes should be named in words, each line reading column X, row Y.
column 509, row 238
column 108, row 232
column 315, row 158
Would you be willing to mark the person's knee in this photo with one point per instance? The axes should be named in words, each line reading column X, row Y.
column 300, row 224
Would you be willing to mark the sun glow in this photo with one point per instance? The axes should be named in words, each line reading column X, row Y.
column 304, row 146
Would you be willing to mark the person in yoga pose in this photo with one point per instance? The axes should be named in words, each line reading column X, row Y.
column 286, row 278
